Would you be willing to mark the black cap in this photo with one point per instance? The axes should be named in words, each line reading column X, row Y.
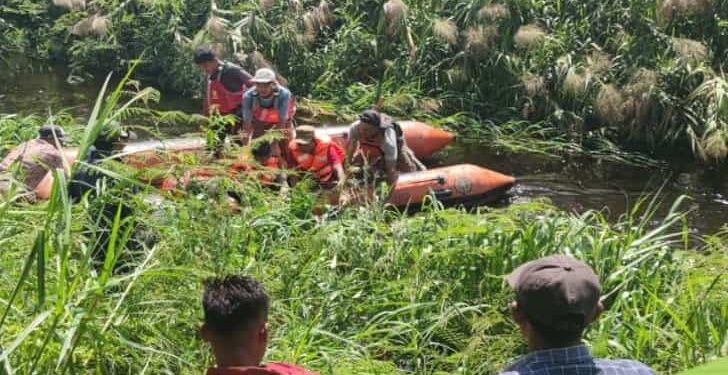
column 371, row 116
column 557, row 292
column 204, row 54
column 48, row 131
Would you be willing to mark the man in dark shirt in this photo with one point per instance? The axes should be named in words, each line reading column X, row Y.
column 557, row 297
column 225, row 85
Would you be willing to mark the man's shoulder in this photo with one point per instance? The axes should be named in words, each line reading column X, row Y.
column 601, row 366
column 625, row 366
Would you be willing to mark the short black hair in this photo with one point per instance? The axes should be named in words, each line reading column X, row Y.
column 569, row 329
column 204, row 54
column 262, row 150
column 233, row 303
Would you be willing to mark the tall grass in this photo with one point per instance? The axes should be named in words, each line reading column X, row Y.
column 363, row 291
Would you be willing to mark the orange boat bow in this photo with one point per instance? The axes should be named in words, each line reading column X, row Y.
column 453, row 184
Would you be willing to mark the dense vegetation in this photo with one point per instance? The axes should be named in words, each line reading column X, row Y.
column 641, row 74
column 356, row 291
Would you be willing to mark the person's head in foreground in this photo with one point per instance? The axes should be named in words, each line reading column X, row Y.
column 50, row 133
column 236, row 326
column 265, row 81
column 206, row 59
column 306, row 138
column 556, row 298
column 262, row 152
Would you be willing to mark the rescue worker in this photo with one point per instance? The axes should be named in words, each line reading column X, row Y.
column 317, row 155
column 268, row 105
column 226, row 84
column 269, row 168
column 35, row 159
column 236, row 326
column 377, row 145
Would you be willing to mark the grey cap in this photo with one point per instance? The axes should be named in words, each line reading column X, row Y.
column 557, row 292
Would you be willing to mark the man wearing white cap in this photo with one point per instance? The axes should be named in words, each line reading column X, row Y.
column 268, row 105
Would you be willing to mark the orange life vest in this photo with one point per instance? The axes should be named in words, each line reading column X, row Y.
column 372, row 151
column 270, row 165
column 316, row 163
column 219, row 98
column 270, row 115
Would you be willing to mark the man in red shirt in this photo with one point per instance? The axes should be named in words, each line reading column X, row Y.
column 236, row 326
column 317, row 155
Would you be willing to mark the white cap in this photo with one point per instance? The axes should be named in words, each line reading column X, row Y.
column 264, row 75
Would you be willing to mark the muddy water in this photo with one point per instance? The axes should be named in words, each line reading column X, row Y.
column 573, row 184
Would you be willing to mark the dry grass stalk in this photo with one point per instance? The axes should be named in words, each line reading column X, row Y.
column 445, row 30
column 575, row 83
column 715, row 145
column 528, row 36
column 70, row 4
column 670, row 9
column 395, row 12
column 691, row 51
column 430, row 105
column 533, row 85
column 258, row 60
column 640, row 95
column 494, row 12
column 100, row 24
column 217, row 27
column 611, row 105
column 295, row 5
column 266, row 5
column 310, row 26
column 599, row 62
column 324, row 14
column 457, row 76
column 480, row 39
column 94, row 24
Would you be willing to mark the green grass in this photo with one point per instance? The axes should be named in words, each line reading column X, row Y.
column 716, row 367
column 365, row 291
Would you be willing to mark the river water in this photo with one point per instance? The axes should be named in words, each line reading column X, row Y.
column 573, row 184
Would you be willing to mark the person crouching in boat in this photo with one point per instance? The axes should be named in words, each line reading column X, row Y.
column 317, row 155
column 269, row 167
column 226, row 83
column 34, row 161
column 268, row 105
column 377, row 147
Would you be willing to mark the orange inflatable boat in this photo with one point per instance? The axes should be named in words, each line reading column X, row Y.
column 457, row 184
column 424, row 140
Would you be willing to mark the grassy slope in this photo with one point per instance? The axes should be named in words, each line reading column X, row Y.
column 636, row 73
column 367, row 292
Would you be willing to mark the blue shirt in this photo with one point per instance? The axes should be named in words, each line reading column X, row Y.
column 574, row 360
column 284, row 95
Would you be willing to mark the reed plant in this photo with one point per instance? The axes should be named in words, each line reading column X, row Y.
column 362, row 290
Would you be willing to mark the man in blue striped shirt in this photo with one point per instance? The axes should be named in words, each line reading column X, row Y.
column 556, row 298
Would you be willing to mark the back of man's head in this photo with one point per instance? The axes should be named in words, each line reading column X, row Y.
column 204, row 54
column 558, row 295
column 234, row 304
column 262, row 150
column 51, row 132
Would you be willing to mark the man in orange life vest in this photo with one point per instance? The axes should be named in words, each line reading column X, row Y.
column 267, row 106
column 318, row 155
column 226, row 83
column 236, row 326
column 377, row 143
